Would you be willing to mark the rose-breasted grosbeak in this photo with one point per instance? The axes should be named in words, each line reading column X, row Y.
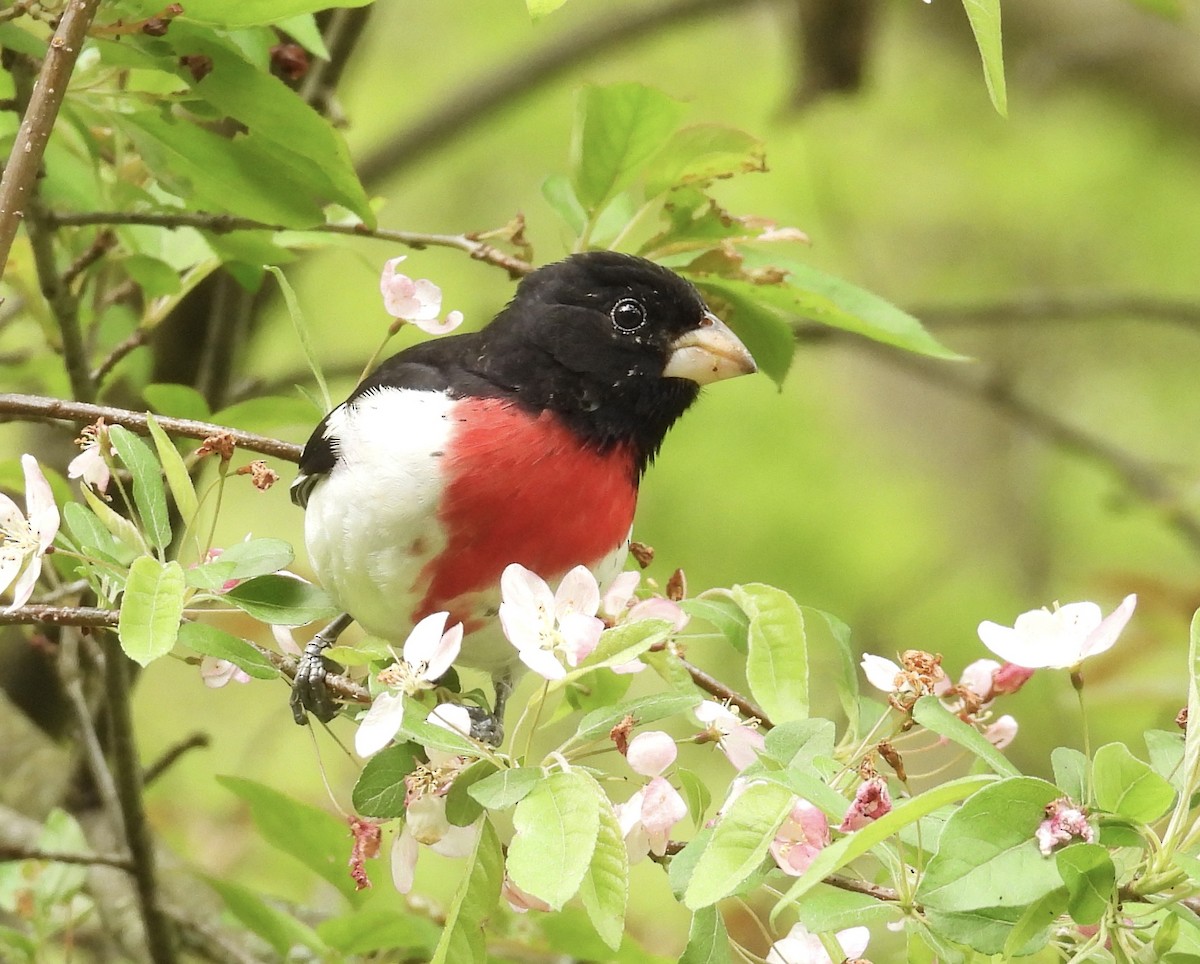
column 523, row 442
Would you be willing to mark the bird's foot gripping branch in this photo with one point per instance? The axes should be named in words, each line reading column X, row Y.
column 831, row 813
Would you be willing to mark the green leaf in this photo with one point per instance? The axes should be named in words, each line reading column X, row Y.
column 380, row 789
column 560, row 195
column 1091, row 878
column 708, row 941
column 317, row 839
column 121, row 528
column 931, row 714
column 270, row 412
column 719, row 609
column 282, row 930
column 281, row 601
column 703, row 153
column 620, row 128
column 739, row 843
column 695, row 793
column 826, row 909
column 149, row 496
column 644, row 709
column 988, row 866
column 838, row 854
column 777, row 657
column 242, row 560
column 605, row 886
column 414, row 727
column 93, row 538
column 462, row 809
column 1125, row 785
column 765, row 329
column 301, row 329
column 210, row 641
column 623, row 643
column 1166, row 755
column 506, row 788
column 250, row 13
column 179, row 480
column 985, row 24
column 151, row 609
column 542, row 8
column 556, row 828
column 1070, row 771
column 379, row 930
column 799, row 742
column 1032, row 928
column 463, row 937
column 846, row 680
column 318, row 159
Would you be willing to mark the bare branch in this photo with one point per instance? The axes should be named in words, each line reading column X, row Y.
column 714, row 687
column 16, row 186
column 59, row 616
column 225, row 223
column 197, row 741
column 9, row 852
column 43, row 408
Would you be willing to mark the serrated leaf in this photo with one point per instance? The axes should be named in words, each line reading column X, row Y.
column 777, row 653
column 719, row 609
column 506, row 788
column 984, row 16
column 125, row 531
column 210, row 641
column 643, row 709
column 846, row 681
column 620, row 128
column 93, row 538
column 151, row 609
column 380, row 930
column 1032, row 928
column 838, row 854
column 149, row 496
column 560, row 195
column 701, row 153
column 463, row 940
column 623, row 644
column 380, row 789
column 931, row 714
column 696, row 794
column 1124, row 785
column 178, row 479
column 317, row 839
column 1090, row 876
column 414, row 727
column 242, row 560
column 281, row 601
column 799, row 742
column 556, row 828
column 708, row 941
column 739, row 843
column 605, row 887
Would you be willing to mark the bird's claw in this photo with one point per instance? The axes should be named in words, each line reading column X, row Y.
column 486, row 727
column 309, row 692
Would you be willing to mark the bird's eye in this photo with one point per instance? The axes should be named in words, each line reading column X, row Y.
column 628, row 315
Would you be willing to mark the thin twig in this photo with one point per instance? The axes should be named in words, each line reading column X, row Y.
column 714, row 687
column 196, row 741
column 16, row 186
column 44, row 408
column 119, row 351
column 224, row 223
column 9, row 852
column 70, row 672
column 127, row 770
column 59, row 616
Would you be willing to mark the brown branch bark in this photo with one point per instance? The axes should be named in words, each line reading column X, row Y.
column 16, row 186
column 42, row 408
column 714, row 687
column 9, row 852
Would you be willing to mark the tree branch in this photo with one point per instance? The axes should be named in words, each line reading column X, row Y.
column 714, row 687
column 9, row 852
column 16, row 186
column 225, row 223
column 43, row 408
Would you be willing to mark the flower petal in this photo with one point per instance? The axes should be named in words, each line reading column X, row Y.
column 24, row 587
column 380, row 724
column 446, row 653
column 580, row 634
column 404, row 860
column 577, row 593
column 880, row 672
column 620, row 593
column 650, row 753
column 425, row 638
column 542, row 662
column 39, row 502
column 1103, row 636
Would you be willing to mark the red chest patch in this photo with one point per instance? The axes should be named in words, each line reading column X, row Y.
column 523, row 488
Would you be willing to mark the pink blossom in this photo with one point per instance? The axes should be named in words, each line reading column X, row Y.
column 1059, row 638
column 801, row 946
column 1063, row 821
column 803, row 834
column 90, row 466
column 650, row 753
column 428, row 653
column 426, row 824
column 740, row 742
column 871, row 802
column 519, row 900
column 1009, row 678
column 418, row 302
column 545, row 626
column 1001, row 732
column 647, row 817
column 217, row 672
column 24, row 541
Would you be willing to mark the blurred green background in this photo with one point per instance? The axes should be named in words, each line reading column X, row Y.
column 868, row 486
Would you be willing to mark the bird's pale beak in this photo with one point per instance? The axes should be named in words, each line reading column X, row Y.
column 709, row 353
